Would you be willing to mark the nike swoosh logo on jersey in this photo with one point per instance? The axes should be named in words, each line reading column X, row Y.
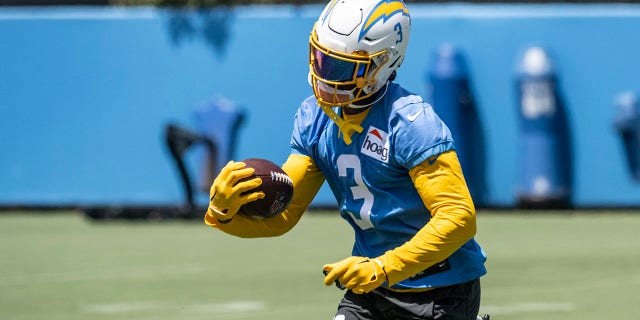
column 415, row 116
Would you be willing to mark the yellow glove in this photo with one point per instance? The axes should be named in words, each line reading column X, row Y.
column 226, row 192
column 358, row 274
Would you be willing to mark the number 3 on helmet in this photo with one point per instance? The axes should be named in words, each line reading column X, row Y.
column 355, row 47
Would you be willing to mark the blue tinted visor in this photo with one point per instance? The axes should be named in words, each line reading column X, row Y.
column 331, row 68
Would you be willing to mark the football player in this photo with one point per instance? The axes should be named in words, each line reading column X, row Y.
column 392, row 166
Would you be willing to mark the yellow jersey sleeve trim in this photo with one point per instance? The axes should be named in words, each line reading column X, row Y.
column 307, row 180
column 444, row 192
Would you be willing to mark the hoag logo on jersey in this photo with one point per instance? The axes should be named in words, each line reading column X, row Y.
column 375, row 145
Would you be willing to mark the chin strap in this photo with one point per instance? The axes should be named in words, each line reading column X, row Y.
column 346, row 128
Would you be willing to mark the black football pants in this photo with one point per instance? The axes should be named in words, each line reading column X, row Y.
column 456, row 302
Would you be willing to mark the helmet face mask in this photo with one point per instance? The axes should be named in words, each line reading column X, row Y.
column 339, row 79
column 355, row 47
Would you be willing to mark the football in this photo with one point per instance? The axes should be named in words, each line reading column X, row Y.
column 276, row 185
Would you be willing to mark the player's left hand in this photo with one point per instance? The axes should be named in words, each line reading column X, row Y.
column 358, row 274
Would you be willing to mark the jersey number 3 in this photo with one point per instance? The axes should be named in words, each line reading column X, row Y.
column 359, row 191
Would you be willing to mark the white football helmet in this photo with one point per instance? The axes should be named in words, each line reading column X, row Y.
column 355, row 47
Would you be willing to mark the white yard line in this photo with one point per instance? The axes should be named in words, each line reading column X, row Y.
column 184, row 311
column 148, row 310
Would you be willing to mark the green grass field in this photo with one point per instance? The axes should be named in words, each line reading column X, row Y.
column 569, row 266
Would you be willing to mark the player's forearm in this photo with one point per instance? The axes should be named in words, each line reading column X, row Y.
column 436, row 241
column 250, row 227
column 307, row 180
column 442, row 187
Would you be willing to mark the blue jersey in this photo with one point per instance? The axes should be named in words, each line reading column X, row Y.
column 370, row 177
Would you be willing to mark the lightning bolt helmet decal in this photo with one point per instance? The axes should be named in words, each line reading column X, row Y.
column 383, row 10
